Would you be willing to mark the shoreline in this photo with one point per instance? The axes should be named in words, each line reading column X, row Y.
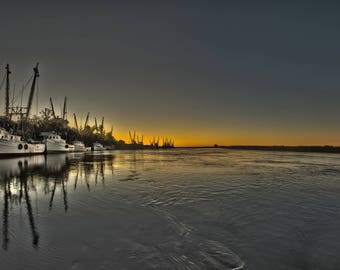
column 276, row 148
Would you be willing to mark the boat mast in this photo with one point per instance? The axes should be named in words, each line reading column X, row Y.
column 87, row 119
column 7, row 90
column 30, row 100
column 75, row 121
column 65, row 109
column 96, row 124
column 52, row 108
column 102, row 127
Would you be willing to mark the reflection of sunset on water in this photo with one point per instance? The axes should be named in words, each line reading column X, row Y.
column 131, row 205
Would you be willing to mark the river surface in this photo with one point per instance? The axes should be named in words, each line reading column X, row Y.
column 171, row 209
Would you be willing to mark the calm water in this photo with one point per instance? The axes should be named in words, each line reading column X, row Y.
column 171, row 209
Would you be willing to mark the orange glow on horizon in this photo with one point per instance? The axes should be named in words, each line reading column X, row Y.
column 269, row 136
column 232, row 141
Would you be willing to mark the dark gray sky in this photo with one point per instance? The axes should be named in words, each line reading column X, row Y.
column 204, row 72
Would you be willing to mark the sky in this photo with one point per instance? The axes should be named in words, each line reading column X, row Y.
column 201, row 72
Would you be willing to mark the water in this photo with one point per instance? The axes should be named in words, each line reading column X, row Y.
column 171, row 209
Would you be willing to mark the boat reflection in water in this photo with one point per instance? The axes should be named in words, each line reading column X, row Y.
column 21, row 177
column 101, row 210
column 14, row 174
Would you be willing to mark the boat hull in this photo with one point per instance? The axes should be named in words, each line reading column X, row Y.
column 79, row 146
column 8, row 148
column 56, row 147
column 36, row 148
column 98, row 147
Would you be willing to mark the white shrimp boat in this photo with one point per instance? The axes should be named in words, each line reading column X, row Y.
column 71, row 148
column 79, row 146
column 54, row 143
column 11, row 144
column 98, row 147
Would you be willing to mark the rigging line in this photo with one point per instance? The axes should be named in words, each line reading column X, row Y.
column 37, row 101
column 29, row 80
column 24, row 87
column 2, row 82
column 13, row 96
column 1, row 85
column 22, row 93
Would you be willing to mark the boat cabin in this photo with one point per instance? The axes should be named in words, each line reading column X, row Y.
column 5, row 135
column 51, row 136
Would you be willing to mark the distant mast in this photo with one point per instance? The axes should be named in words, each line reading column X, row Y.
column 30, row 100
column 65, row 109
column 52, row 108
column 7, row 90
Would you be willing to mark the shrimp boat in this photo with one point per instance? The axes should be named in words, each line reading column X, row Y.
column 98, row 147
column 79, row 146
column 11, row 144
column 71, row 148
column 54, row 143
